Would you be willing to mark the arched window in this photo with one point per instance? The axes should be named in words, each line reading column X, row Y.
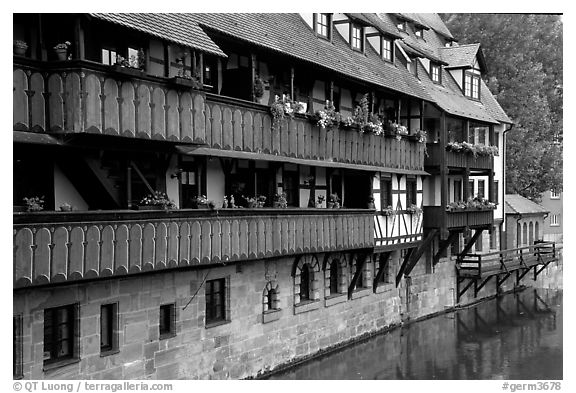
column 531, row 234
column 334, row 275
column 271, row 299
column 518, row 235
column 305, row 282
column 536, row 231
column 525, row 235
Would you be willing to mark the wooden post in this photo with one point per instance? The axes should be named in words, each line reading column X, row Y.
column 252, row 75
column 465, row 189
column 399, row 101
column 78, row 39
column 43, row 55
column 128, row 186
column 372, row 102
column 292, row 83
column 443, row 178
column 491, row 186
column 467, row 130
column 422, row 115
column 166, row 60
column 332, row 92
column 194, row 72
column 201, row 59
column 491, row 135
column 220, row 75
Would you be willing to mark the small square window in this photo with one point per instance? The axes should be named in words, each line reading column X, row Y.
column 215, row 301
column 167, row 321
column 401, row 25
column 419, row 32
column 60, row 333
column 554, row 194
column 322, row 25
column 108, row 327
column 108, row 56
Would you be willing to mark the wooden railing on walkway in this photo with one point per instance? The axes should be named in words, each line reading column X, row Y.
column 505, row 261
column 61, row 247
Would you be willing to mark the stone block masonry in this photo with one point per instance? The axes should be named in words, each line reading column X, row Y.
column 241, row 346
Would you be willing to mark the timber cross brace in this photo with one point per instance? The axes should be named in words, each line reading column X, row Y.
column 413, row 255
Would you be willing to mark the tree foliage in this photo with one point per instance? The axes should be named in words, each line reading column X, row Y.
column 524, row 59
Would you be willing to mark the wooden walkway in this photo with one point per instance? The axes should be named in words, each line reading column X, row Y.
column 478, row 269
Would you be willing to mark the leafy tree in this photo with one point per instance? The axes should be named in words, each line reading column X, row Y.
column 524, row 59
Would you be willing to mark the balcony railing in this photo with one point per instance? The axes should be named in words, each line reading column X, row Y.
column 456, row 159
column 62, row 247
column 87, row 97
column 457, row 219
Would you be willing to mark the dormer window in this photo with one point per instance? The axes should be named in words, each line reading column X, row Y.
column 472, row 85
column 356, row 37
column 401, row 25
column 322, row 25
column 448, row 43
column 419, row 32
column 387, row 53
column 435, row 73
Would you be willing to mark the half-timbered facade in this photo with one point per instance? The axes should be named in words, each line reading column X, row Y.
column 215, row 195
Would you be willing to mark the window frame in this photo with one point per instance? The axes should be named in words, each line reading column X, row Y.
column 73, row 325
column 223, row 294
column 554, row 220
column 317, row 21
column 554, row 194
column 468, row 87
column 389, row 51
column 401, row 25
column 436, row 77
column 334, row 276
column 419, row 30
column 169, row 329
column 386, row 193
column 305, row 284
column 112, row 329
column 481, row 188
column 411, row 192
column 360, row 39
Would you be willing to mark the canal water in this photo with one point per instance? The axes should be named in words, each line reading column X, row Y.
column 516, row 336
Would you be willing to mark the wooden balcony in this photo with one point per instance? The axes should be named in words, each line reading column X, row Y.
column 457, row 219
column 57, row 247
column 456, row 160
column 88, row 97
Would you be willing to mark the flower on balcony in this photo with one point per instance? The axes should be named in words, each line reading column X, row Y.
column 258, row 87
column 328, row 117
column 476, row 203
column 421, row 136
column 157, row 198
column 475, row 150
column 281, row 108
column 280, row 201
column 373, row 127
column 34, row 204
column 388, row 211
column 402, row 130
column 63, row 45
column 333, row 201
column 414, row 209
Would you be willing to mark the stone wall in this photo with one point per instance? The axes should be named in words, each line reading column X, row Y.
column 244, row 346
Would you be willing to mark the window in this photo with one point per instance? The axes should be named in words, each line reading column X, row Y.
column 133, row 58
column 518, row 235
column 472, row 85
column 384, row 267
column 60, row 331
column 270, row 301
column 419, row 32
column 493, row 238
column 334, row 274
column 470, row 188
column 481, row 185
column 167, row 321
column 305, row 282
column 290, row 182
column 457, row 190
column 387, row 53
column 478, row 244
column 108, row 56
column 435, row 73
column 385, row 193
column 108, row 327
column 411, row 192
column 356, row 37
column 554, row 220
column 524, row 234
column 17, row 347
column 530, row 233
column 497, row 139
column 322, row 25
column 554, row 194
column 401, row 25
column 215, row 301
column 537, row 231
column 270, row 297
column 496, row 192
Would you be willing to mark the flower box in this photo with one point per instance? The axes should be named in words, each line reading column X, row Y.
column 186, row 82
column 127, row 70
column 150, row 207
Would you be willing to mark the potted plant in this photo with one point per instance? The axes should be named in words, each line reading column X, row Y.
column 20, row 47
column 414, row 209
column 34, row 204
column 258, row 88
column 320, row 201
column 156, row 201
column 371, row 203
column 66, row 207
column 61, row 50
column 388, row 211
column 200, row 202
column 280, row 201
column 260, row 201
column 333, row 201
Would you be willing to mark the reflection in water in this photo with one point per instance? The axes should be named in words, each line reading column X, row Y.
column 517, row 336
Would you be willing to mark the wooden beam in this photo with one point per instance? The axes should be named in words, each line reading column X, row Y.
column 382, row 266
column 252, row 75
column 419, row 251
column 403, row 266
column 477, row 287
column 79, row 39
column 443, row 246
column 443, row 177
column 360, row 260
column 142, row 177
column 166, row 60
column 471, row 242
column 292, row 83
column 459, row 292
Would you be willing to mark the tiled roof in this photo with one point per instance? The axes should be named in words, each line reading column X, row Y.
column 435, row 23
column 449, row 97
column 517, row 204
column 378, row 23
column 492, row 105
column 171, row 27
column 290, row 35
column 460, row 56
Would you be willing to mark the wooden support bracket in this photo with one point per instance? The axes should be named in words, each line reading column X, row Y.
column 477, row 287
column 443, row 246
column 383, row 265
column 471, row 242
column 459, row 292
column 403, row 266
column 419, row 251
column 521, row 273
column 360, row 260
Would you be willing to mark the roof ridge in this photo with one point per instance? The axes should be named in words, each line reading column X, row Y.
column 459, row 46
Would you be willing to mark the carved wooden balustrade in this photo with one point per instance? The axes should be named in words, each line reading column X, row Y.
column 88, row 97
column 472, row 218
column 62, row 247
column 457, row 159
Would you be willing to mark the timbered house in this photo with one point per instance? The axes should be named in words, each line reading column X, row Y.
column 275, row 119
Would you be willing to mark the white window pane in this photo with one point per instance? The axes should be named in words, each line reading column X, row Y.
column 105, row 56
